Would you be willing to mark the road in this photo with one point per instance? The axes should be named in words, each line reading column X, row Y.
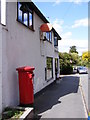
column 62, row 100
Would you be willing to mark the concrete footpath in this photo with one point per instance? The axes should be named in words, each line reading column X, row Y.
column 84, row 87
column 61, row 100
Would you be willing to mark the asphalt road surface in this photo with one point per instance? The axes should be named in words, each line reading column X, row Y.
column 62, row 100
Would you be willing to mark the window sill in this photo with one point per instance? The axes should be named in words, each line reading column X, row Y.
column 56, row 49
column 25, row 25
column 55, row 46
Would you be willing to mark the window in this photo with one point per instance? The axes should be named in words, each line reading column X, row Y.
column 56, row 63
column 19, row 12
column 49, row 36
column 25, row 21
column 49, row 68
column 30, row 20
column 55, row 41
column 25, row 15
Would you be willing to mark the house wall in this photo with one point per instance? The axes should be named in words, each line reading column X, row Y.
column 0, row 68
column 22, row 47
column 0, row 11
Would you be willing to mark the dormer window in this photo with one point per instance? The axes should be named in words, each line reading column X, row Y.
column 55, row 41
column 49, row 36
column 19, row 12
column 25, row 19
column 25, row 15
column 30, row 20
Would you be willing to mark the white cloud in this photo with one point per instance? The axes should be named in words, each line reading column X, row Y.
column 56, row 2
column 77, row 1
column 81, row 22
column 66, row 35
column 57, row 24
column 67, row 41
column 64, row 45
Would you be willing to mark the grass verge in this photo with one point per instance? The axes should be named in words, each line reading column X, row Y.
column 11, row 113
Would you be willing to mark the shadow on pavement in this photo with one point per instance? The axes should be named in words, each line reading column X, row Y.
column 51, row 95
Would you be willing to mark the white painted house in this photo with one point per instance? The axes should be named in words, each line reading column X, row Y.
column 23, row 44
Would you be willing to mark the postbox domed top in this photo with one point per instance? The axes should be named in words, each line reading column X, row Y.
column 25, row 68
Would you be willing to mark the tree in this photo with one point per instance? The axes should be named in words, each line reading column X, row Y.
column 67, row 60
column 86, row 58
column 65, row 65
column 74, row 58
column 73, row 49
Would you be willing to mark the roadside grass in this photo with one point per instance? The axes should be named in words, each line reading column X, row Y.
column 11, row 113
column 89, row 114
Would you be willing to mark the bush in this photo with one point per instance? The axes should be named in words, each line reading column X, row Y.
column 66, row 69
column 66, row 62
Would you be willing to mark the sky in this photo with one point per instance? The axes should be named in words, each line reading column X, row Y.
column 70, row 20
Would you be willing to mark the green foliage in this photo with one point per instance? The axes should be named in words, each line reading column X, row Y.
column 65, row 63
column 86, row 58
column 11, row 113
column 68, row 60
column 73, row 49
column 74, row 58
column 89, row 114
column 66, row 68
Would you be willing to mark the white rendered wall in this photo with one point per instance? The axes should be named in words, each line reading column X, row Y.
column 0, row 68
column 0, row 11
column 21, row 47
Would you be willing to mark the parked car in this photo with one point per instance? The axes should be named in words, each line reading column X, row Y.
column 82, row 69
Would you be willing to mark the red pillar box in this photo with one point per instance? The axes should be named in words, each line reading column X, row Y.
column 25, row 75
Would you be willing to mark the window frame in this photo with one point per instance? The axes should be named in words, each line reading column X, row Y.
column 50, row 37
column 56, row 41
column 24, row 18
column 47, row 79
column 22, row 21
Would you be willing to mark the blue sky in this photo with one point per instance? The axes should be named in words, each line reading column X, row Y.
column 70, row 19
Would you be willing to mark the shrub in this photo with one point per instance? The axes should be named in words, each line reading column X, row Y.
column 66, row 69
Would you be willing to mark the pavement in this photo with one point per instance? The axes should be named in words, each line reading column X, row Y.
column 61, row 100
column 89, row 89
column 84, row 87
